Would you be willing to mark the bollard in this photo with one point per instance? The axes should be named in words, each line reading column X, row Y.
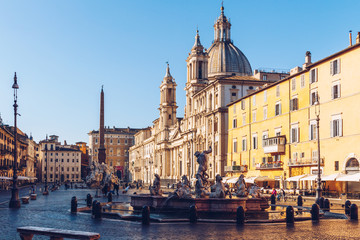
column 193, row 214
column 290, row 215
column 353, row 212
column 273, row 201
column 326, row 205
column 97, row 210
column 88, row 200
column 240, row 216
column 299, row 201
column 347, row 207
column 315, row 212
column 93, row 208
column 73, row 205
column 109, row 197
column 145, row 215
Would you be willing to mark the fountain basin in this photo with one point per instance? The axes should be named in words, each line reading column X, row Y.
column 209, row 205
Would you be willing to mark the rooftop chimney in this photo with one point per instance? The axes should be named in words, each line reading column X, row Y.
column 350, row 38
column 307, row 59
column 358, row 38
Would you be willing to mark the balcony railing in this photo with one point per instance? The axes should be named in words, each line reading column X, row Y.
column 236, row 168
column 266, row 166
column 274, row 144
column 305, row 162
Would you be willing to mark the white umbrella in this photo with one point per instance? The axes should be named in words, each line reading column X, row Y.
column 295, row 178
column 232, row 180
column 332, row 177
column 312, row 177
column 5, row 178
column 23, row 178
column 250, row 180
column 350, row 178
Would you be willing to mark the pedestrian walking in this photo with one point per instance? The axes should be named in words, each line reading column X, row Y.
column 116, row 188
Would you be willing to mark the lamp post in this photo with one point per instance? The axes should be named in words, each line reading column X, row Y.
column 317, row 113
column 15, row 201
column 46, row 192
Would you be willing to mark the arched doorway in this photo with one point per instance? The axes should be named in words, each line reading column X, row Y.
column 352, row 166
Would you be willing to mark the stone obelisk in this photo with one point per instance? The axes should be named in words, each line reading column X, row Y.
column 102, row 153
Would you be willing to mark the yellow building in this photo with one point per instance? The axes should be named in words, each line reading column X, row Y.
column 272, row 131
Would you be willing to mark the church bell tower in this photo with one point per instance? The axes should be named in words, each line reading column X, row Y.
column 167, row 100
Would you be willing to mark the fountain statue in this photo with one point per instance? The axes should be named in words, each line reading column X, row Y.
column 218, row 189
column 182, row 189
column 254, row 191
column 202, row 161
column 99, row 175
column 155, row 188
column 241, row 187
column 201, row 190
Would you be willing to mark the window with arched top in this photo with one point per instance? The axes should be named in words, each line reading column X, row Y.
column 210, row 102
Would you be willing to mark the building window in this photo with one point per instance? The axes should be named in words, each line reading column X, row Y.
column 335, row 90
column 233, row 96
column 295, row 156
column 336, row 126
column 235, row 123
column 96, row 140
column 293, row 84
column 335, row 67
column 312, row 130
column 264, row 77
column 313, row 97
column 314, row 155
column 265, row 96
column 277, row 109
column 235, row 145
column 336, row 165
column 302, row 80
column 255, row 141
column 169, row 116
column 254, row 116
column 278, row 91
column 313, row 75
column 234, row 109
column 244, row 144
column 254, row 100
column 265, row 135
column 243, row 104
column 294, row 104
column 244, row 119
column 126, row 141
column 294, row 134
column 265, row 112
column 277, row 131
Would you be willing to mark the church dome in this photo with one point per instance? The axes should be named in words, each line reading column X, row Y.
column 224, row 57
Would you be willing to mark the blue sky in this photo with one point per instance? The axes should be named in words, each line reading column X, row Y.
column 63, row 51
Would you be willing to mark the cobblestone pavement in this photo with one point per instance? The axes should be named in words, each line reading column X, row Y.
column 53, row 211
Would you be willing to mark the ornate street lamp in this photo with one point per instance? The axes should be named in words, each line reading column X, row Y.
column 46, row 192
column 317, row 113
column 15, row 201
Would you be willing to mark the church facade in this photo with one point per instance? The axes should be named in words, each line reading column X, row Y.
column 215, row 77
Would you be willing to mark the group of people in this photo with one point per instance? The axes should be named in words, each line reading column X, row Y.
column 279, row 194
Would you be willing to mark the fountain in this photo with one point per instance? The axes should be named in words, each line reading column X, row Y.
column 100, row 175
column 215, row 200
